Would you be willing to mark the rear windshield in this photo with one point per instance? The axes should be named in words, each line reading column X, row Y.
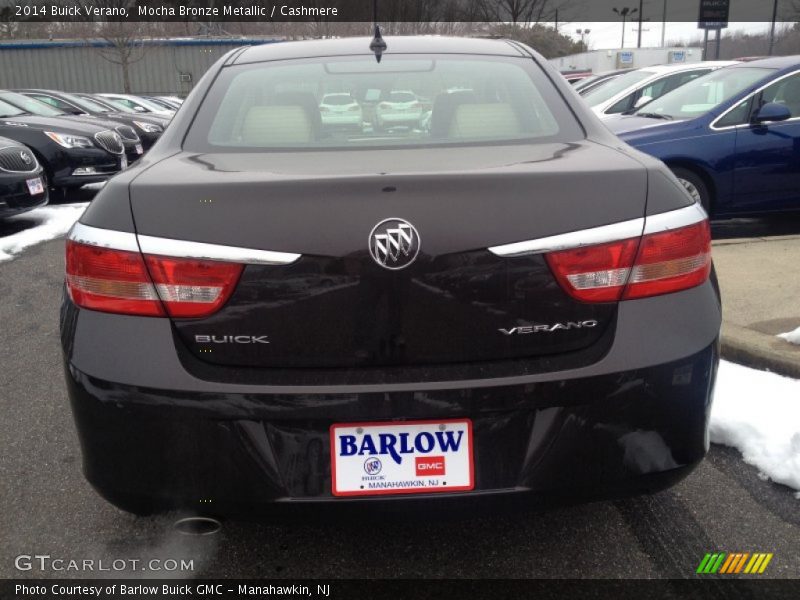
column 403, row 100
column 338, row 99
column 401, row 97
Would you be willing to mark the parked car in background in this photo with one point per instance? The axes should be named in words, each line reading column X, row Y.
column 107, row 103
column 140, row 105
column 574, row 77
column 500, row 306
column 130, row 139
column 174, row 101
column 635, row 89
column 399, row 108
column 341, row 110
column 731, row 137
column 22, row 180
column 72, row 153
column 159, row 102
column 593, row 81
column 148, row 127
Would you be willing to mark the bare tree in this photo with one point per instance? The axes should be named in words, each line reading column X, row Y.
column 516, row 11
column 122, row 42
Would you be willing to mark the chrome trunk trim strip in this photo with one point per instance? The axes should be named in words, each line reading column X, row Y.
column 673, row 219
column 130, row 242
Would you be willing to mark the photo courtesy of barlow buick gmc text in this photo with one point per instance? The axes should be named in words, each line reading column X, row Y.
column 381, row 299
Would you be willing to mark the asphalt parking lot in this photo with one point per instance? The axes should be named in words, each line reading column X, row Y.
column 48, row 508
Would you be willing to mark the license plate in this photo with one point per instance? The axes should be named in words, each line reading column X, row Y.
column 404, row 457
column 123, row 162
column 139, row 149
column 35, row 186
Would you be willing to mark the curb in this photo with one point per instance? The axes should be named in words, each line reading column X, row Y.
column 757, row 350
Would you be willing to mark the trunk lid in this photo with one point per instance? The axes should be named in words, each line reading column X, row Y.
column 335, row 306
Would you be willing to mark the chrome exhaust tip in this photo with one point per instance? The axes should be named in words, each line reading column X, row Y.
column 197, row 526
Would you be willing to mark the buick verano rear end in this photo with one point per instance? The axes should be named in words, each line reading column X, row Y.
column 510, row 303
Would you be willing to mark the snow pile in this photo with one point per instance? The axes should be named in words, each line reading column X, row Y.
column 793, row 337
column 52, row 221
column 759, row 414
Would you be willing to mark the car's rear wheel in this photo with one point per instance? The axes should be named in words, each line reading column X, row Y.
column 695, row 185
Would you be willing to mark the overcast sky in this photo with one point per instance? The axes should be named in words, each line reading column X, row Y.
column 609, row 34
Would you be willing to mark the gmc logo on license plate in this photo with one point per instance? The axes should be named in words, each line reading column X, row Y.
column 429, row 465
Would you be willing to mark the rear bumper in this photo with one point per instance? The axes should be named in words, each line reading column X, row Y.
column 156, row 437
column 398, row 118
column 343, row 120
column 597, row 437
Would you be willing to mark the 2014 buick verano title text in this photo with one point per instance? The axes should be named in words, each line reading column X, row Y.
column 446, row 279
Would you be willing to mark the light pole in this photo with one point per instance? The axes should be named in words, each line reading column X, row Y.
column 625, row 13
column 772, row 28
column 641, row 14
column 582, row 32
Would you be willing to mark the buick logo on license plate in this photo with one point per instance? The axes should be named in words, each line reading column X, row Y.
column 394, row 243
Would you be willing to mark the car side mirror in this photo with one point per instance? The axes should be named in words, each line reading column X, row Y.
column 772, row 111
column 642, row 101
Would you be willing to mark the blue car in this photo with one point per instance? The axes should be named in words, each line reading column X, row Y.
column 731, row 137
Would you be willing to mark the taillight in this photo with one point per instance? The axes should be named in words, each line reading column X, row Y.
column 127, row 282
column 661, row 263
column 595, row 273
column 670, row 261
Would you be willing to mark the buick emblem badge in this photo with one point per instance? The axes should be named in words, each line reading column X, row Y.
column 394, row 243
column 26, row 158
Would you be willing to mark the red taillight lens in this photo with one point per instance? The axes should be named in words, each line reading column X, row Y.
column 595, row 273
column 661, row 263
column 110, row 281
column 125, row 282
column 674, row 260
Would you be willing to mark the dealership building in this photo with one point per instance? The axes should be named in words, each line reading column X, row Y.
column 598, row 61
column 158, row 66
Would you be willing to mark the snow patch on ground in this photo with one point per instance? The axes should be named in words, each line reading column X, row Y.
column 52, row 222
column 758, row 413
column 793, row 337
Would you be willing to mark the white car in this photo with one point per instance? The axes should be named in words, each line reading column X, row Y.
column 400, row 108
column 171, row 100
column 341, row 110
column 636, row 88
column 139, row 104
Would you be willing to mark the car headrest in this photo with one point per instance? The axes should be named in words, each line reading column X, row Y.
column 496, row 119
column 276, row 125
column 443, row 110
column 307, row 101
